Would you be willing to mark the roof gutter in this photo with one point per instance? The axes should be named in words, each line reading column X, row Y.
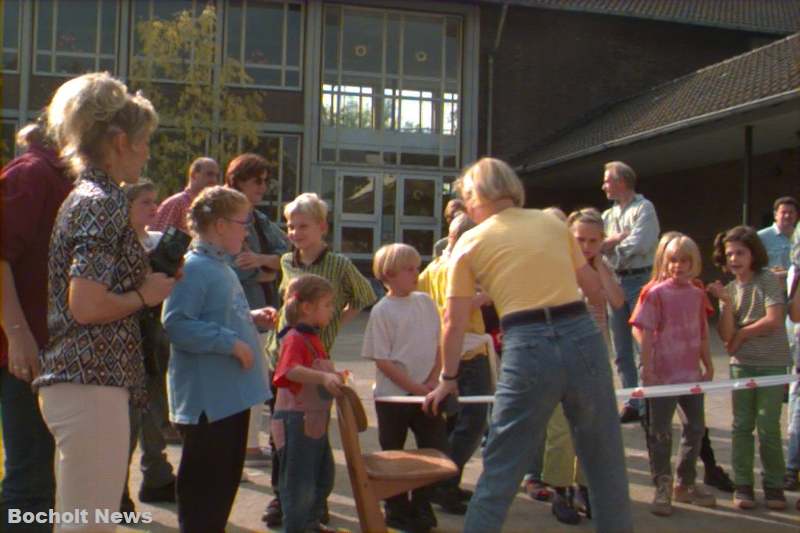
column 669, row 128
column 490, row 89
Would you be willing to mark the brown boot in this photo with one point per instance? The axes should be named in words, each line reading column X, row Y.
column 662, row 499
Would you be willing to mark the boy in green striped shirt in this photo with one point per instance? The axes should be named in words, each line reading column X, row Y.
column 307, row 224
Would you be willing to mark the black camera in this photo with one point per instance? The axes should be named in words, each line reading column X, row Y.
column 168, row 254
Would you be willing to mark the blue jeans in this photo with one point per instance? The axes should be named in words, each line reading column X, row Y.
column 625, row 347
column 564, row 360
column 475, row 380
column 306, row 474
column 29, row 482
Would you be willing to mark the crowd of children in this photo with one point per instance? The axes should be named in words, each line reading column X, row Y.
column 321, row 290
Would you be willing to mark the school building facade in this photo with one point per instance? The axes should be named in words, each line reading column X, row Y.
column 377, row 105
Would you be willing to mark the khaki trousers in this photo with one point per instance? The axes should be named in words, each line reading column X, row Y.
column 91, row 429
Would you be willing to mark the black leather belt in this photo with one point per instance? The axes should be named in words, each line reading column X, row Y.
column 634, row 271
column 543, row 314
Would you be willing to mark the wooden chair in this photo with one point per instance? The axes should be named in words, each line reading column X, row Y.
column 377, row 476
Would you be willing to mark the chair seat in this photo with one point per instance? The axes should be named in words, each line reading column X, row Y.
column 396, row 465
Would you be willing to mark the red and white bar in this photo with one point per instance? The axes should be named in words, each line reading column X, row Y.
column 657, row 391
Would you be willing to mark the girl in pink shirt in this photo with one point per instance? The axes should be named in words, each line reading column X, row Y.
column 674, row 342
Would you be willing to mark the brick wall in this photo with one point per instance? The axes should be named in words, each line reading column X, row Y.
column 553, row 68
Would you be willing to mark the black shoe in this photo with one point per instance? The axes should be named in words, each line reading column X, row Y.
column 629, row 414
column 564, row 511
column 126, row 505
column 449, row 500
column 399, row 515
column 790, row 481
column 273, row 516
column 464, row 494
column 716, row 477
column 163, row 494
column 424, row 518
column 580, row 500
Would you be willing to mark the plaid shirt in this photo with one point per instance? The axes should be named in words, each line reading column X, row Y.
column 172, row 212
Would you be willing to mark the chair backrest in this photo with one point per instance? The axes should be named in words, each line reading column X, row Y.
column 353, row 420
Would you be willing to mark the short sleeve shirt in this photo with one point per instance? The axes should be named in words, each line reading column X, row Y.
column 676, row 315
column 93, row 239
column 296, row 351
column 350, row 287
column 404, row 331
column 522, row 258
column 750, row 301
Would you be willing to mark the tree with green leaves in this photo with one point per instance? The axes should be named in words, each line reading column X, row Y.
column 178, row 66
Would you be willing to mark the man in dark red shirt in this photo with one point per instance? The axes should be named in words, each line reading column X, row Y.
column 32, row 187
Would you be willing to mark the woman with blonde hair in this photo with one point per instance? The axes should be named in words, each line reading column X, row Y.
column 92, row 365
column 531, row 267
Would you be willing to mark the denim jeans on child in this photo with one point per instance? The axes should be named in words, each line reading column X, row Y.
column 658, row 426
column 475, row 380
column 564, row 360
column 625, row 347
column 306, row 474
column 29, row 482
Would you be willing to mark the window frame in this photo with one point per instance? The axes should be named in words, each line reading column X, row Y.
column 283, row 67
column 53, row 54
column 18, row 49
column 446, row 122
column 132, row 57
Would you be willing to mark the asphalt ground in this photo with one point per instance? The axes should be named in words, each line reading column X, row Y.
column 525, row 514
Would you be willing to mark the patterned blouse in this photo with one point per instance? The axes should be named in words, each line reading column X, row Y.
column 92, row 239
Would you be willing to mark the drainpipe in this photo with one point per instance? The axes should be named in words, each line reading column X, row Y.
column 748, row 173
column 490, row 91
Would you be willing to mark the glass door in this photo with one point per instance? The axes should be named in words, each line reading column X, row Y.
column 357, row 219
column 419, row 207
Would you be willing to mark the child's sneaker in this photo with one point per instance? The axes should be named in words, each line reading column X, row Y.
column 694, row 494
column 774, row 498
column 662, row 500
column 744, row 497
column 273, row 516
column 538, row 491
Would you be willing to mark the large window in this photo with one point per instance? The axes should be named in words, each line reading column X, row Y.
column 175, row 63
column 391, row 87
column 76, row 36
column 283, row 154
column 266, row 38
column 12, row 19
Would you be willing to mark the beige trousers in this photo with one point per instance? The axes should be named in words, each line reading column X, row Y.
column 91, row 429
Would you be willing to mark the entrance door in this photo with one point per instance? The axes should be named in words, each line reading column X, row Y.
column 419, row 205
column 378, row 208
column 358, row 201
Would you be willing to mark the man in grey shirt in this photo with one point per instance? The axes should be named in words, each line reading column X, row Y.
column 632, row 230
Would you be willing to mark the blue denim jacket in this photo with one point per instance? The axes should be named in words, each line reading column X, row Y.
column 204, row 316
